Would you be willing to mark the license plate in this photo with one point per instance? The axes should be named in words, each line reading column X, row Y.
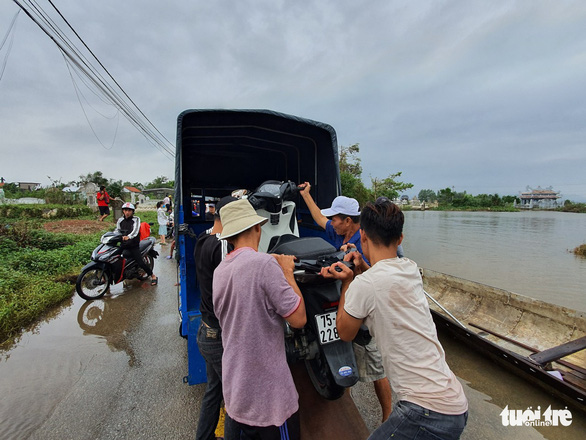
column 326, row 328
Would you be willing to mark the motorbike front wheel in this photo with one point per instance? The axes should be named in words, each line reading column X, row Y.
column 92, row 283
column 322, row 378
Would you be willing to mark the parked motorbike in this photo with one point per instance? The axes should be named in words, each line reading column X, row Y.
column 109, row 266
column 330, row 362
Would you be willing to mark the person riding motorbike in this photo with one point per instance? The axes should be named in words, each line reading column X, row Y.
column 129, row 227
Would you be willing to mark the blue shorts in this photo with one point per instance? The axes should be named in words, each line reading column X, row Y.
column 162, row 229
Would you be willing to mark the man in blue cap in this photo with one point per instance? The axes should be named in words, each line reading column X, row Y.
column 341, row 222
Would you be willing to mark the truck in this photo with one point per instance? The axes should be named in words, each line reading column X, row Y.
column 222, row 151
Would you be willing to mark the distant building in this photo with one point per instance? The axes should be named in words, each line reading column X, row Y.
column 136, row 195
column 158, row 194
column 28, row 186
column 539, row 198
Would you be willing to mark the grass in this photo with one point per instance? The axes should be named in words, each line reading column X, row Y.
column 38, row 270
column 580, row 250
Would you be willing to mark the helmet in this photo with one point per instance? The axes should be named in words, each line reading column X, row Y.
column 128, row 205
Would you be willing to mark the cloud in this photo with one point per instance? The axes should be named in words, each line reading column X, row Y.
column 487, row 97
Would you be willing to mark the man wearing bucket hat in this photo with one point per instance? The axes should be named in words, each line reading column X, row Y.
column 342, row 224
column 253, row 294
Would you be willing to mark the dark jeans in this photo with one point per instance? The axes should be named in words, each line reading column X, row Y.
column 409, row 421
column 209, row 341
column 134, row 253
column 290, row 430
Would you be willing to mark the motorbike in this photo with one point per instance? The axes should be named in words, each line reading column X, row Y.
column 109, row 266
column 329, row 361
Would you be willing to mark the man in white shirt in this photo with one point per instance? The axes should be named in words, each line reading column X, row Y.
column 388, row 297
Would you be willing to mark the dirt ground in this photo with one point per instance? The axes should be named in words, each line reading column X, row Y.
column 77, row 226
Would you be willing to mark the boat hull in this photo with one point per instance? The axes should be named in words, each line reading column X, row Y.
column 508, row 328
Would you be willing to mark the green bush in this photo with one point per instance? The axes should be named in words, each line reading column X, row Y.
column 44, row 211
column 581, row 250
column 54, row 261
column 23, row 298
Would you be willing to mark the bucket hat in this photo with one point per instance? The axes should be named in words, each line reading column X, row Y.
column 342, row 205
column 237, row 217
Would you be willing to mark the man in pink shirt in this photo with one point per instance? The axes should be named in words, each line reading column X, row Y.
column 254, row 294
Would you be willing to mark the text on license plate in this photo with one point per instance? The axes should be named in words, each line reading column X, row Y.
column 326, row 328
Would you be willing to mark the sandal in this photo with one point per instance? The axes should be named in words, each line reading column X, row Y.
column 154, row 282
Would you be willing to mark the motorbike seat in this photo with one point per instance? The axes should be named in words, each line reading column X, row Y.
column 143, row 244
column 279, row 240
column 305, row 248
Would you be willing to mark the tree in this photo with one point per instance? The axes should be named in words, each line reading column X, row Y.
column 349, row 160
column 427, row 195
column 115, row 188
column 160, row 182
column 350, row 174
column 95, row 177
column 388, row 187
column 445, row 196
column 351, row 181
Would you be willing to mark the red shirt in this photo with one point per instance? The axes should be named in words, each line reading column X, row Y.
column 103, row 200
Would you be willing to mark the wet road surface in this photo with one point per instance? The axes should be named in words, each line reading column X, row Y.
column 113, row 369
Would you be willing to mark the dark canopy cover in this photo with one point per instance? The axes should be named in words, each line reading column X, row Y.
column 233, row 149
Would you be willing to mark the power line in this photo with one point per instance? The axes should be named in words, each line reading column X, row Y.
column 76, row 60
column 106, row 70
column 11, row 34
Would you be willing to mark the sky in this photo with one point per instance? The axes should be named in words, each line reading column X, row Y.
column 482, row 97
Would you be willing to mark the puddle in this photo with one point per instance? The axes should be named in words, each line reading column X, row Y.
column 40, row 368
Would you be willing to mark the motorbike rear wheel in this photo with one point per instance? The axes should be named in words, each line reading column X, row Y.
column 322, row 378
column 92, row 283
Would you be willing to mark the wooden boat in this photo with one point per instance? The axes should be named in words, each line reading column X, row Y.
column 540, row 341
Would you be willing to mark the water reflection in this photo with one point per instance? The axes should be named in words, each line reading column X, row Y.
column 111, row 317
column 523, row 252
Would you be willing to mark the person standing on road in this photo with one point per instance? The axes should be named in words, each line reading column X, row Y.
column 162, row 220
column 209, row 253
column 129, row 227
column 254, row 294
column 341, row 222
column 103, row 202
column 167, row 203
column 389, row 298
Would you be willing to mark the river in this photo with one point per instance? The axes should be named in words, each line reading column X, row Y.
column 527, row 252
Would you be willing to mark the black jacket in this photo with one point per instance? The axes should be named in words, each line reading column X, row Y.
column 131, row 227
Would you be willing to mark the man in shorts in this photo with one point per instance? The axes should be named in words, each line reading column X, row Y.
column 103, row 202
column 253, row 295
column 341, row 222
